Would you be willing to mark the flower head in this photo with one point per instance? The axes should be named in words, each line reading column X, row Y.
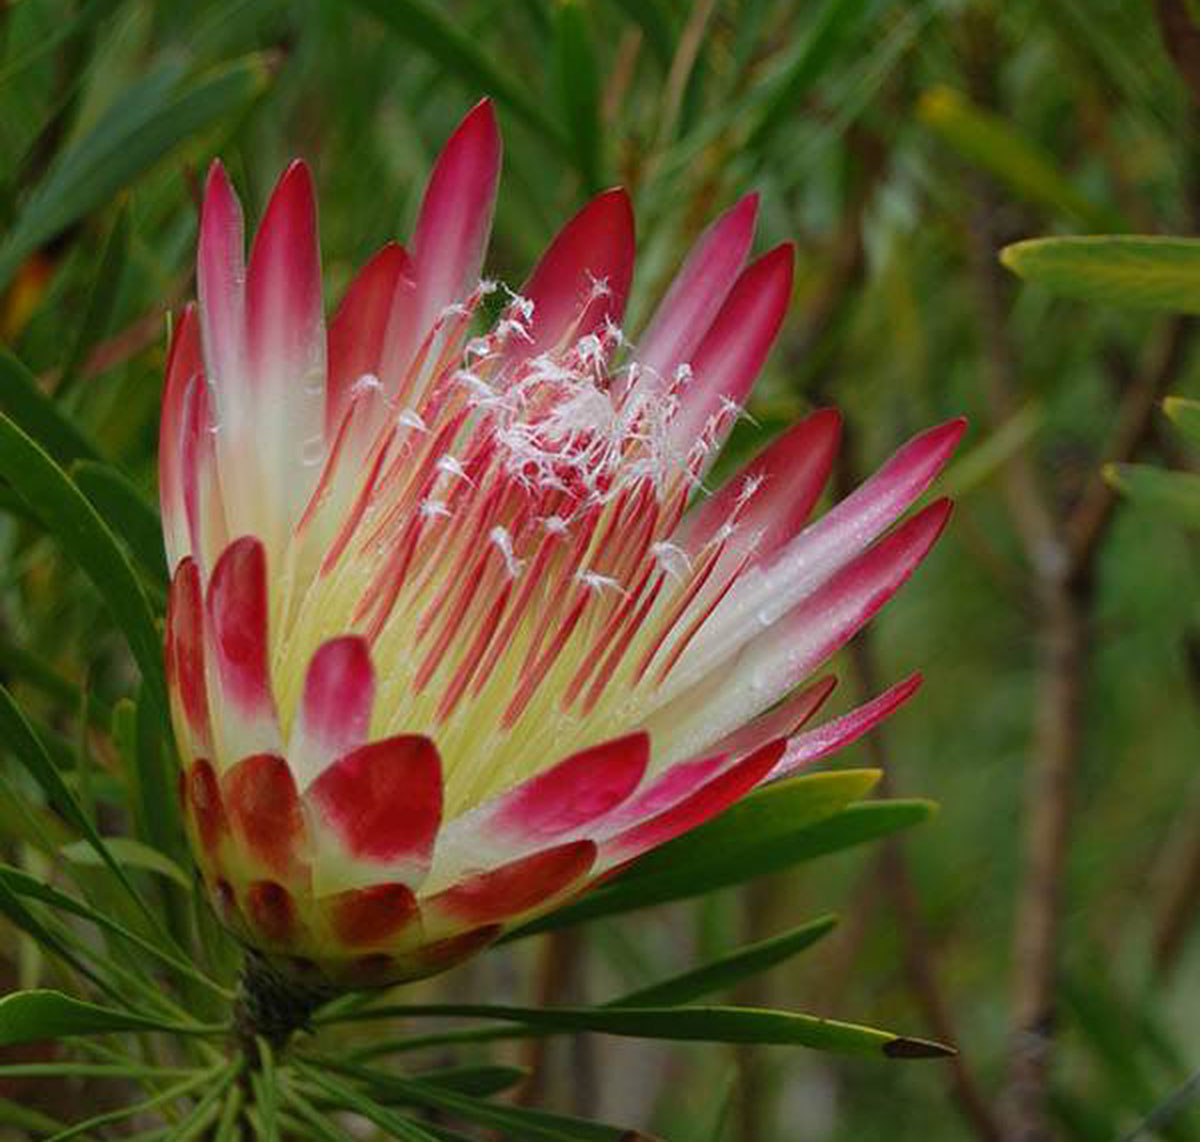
column 455, row 627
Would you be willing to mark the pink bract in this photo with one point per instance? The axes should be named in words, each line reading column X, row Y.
column 455, row 628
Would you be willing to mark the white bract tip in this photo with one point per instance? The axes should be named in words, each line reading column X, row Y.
column 451, row 466
column 410, row 418
column 502, row 541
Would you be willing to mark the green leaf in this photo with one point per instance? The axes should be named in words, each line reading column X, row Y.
column 725, row 971
column 771, row 829
column 23, row 884
column 227, row 1129
column 132, row 854
column 522, row 1124
column 1133, row 272
column 36, row 414
column 775, row 810
column 27, row 1119
column 354, row 1099
column 27, row 922
column 579, row 86
column 20, row 739
column 86, row 539
column 677, row 1024
column 480, row 1082
column 1023, row 166
column 1185, row 415
column 123, row 507
column 1177, row 494
column 200, row 1117
column 130, row 1109
column 322, row 1128
column 100, row 304
column 651, row 17
column 30, row 1016
column 141, row 127
column 830, row 29
column 435, row 32
column 266, row 1089
column 156, row 790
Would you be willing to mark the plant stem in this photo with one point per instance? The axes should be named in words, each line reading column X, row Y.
column 272, row 1006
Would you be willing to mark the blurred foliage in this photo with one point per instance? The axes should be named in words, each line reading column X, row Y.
column 900, row 146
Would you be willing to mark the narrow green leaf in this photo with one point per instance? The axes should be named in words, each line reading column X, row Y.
column 1185, row 415
column 28, row 1016
column 435, row 32
column 130, row 1109
column 80, row 1070
column 652, row 18
column 266, row 1088
column 1177, row 494
column 354, row 1099
column 1023, row 166
column 22, row 399
column 23, row 884
column 227, row 1125
column 27, row 922
column 480, row 1082
column 776, row 810
column 525, row 1125
column 706, row 1024
column 830, row 29
column 314, row 1122
column 1133, row 272
column 148, row 121
column 27, row 1119
column 132, row 854
column 23, row 743
column 205, row 1111
column 725, row 971
column 87, row 540
column 775, row 827
column 123, row 507
column 99, row 309
column 579, row 87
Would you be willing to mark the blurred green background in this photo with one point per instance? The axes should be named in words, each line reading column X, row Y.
column 900, row 146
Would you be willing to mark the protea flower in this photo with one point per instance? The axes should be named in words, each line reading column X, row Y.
column 455, row 627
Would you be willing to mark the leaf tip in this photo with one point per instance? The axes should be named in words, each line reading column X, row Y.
column 903, row 1047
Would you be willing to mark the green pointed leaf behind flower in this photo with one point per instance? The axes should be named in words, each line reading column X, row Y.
column 1023, row 166
column 131, row 517
column 725, row 971
column 30, row 1016
column 23, row 883
column 774, row 827
column 680, row 1024
column 1127, row 271
column 150, row 119
column 100, row 305
column 431, row 29
column 132, row 854
column 87, row 540
column 23, row 400
column 1176, row 494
